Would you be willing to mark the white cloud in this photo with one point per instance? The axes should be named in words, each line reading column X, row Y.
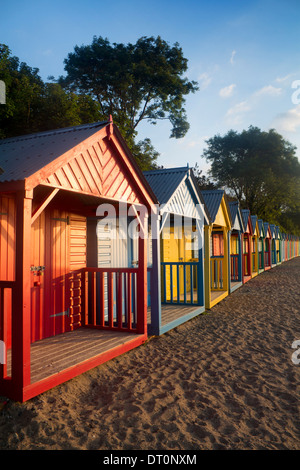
column 268, row 90
column 241, row 107
column 288, row 121
column 190, row 143
column 235, row 114
column 227, row 91
column 232, row 57
column 284, row 79
column 205, row 80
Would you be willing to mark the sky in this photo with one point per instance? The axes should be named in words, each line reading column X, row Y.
column 245, row 56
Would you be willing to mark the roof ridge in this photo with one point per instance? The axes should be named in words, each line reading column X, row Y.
column 213, row 191
column 51, row 132
column 167, row 170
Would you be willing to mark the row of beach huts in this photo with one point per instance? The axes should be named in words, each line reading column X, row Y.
column 96, row 256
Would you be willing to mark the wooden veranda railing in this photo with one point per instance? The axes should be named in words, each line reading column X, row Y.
column 267, row 258
column 217, row 272
column 254, row 263
column 110, row 298
column 181, row 283
column 261, row 260
column 247, row 270
column 234, row 267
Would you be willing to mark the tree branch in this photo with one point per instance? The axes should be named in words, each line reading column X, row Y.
column 147, row 100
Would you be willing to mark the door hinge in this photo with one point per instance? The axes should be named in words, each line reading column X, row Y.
column 67, row 219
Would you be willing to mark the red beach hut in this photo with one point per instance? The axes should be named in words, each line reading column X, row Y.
column 247, row 246
column 267, row 247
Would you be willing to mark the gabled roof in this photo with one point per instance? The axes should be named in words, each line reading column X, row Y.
column 246, row 217
column 235, row 213
column 278, row 232
column 261, row 227
column 272, row 229
column 165, row 184
column 165, row 181
column 253, row 222
column 91, row 159
column 213, row 199
column 21, row 157
column 266, row 228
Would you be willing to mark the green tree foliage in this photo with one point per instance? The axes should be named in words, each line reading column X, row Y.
column 33, row 106
column 133, row 83
column 203, row 181
column 261, row 170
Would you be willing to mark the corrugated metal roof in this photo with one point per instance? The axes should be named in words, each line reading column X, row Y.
column 266, row 226
column 253, row 222
column 272, row 228
column 261, row 227
column 212, row 199
column 277, row 231
column 235, row 212
column 233, row 206
column 21, row 157
column 165, row 181
column 245, row 216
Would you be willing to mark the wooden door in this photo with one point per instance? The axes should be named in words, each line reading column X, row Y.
column 57, row 287
column 115, row 250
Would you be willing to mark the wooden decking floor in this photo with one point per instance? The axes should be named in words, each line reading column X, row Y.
column 53, row 355
column 215, row 294
column 233, row 284
column 171, row 313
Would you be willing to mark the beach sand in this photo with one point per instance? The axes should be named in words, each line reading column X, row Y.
column 224, row 380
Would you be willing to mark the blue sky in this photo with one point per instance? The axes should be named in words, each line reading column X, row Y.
column 244, row 55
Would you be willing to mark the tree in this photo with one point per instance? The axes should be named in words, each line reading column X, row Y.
column 260, row 169
column 134, row 82
column 33, row 106
column 203, row 181
column 23, row 86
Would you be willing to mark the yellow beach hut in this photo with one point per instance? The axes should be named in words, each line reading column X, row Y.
column 216, row 252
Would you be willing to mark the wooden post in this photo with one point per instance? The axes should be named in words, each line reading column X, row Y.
column 229, row 260
column 240, row 258
column 200, row 267
column 155, row 277
column 226, row 260
column 249, row 254
column 243, row 257
column 257, row 253
column 207, row 234
column 142, row 277
column 21, row 301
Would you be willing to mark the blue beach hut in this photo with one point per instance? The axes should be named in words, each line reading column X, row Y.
column 175, row 264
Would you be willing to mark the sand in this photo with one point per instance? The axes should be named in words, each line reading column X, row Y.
column 224, row 380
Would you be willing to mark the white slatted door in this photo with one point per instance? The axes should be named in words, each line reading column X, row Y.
column 113, row 252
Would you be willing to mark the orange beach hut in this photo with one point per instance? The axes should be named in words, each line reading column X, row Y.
column 52, row 292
